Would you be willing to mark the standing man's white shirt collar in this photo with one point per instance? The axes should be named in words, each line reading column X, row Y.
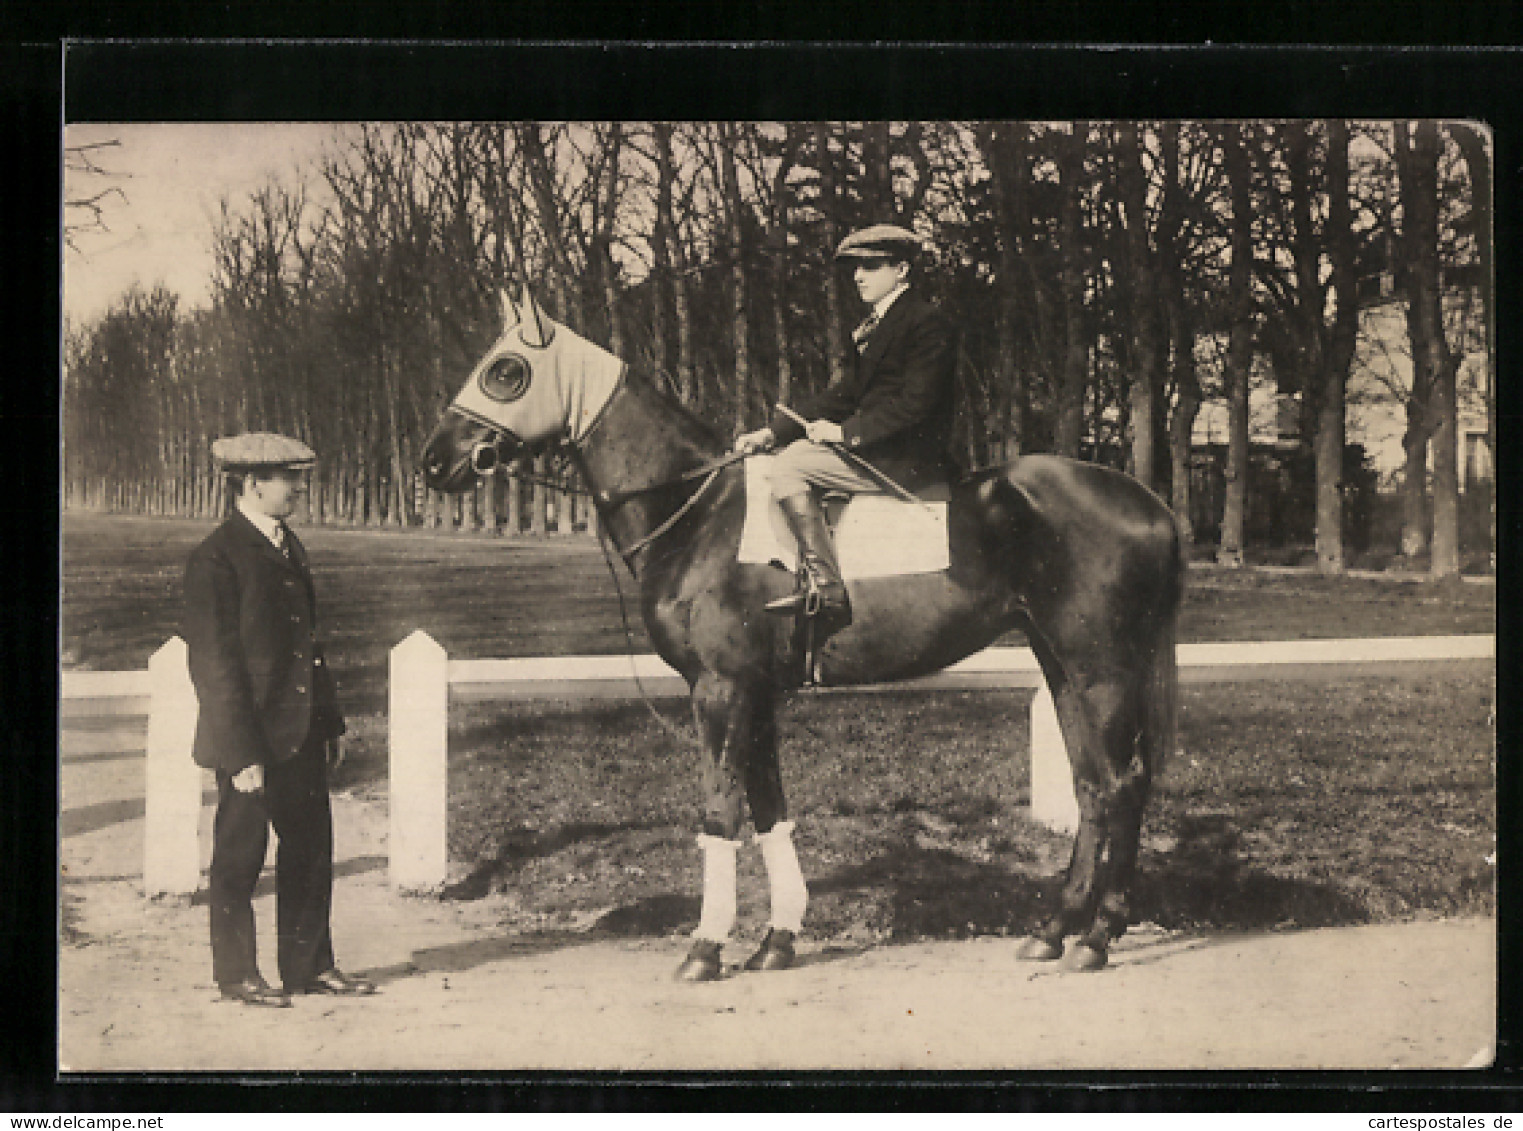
column 880, row 308
column 269, row 527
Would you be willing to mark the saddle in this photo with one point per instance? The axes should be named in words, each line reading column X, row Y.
column 873, row 536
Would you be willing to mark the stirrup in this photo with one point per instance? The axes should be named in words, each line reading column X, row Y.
column 804, row 601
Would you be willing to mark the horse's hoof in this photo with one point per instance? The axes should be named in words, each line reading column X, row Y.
column 775, row 952
column 1034, row 949
column 1082, row 957
column 702, row 963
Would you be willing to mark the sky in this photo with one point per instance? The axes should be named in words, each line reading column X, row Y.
column 173, row 177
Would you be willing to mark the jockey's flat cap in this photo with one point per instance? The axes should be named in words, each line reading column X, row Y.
column 880, row 240
column 262, row 451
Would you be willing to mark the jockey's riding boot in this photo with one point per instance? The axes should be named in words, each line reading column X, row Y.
column 821, row 591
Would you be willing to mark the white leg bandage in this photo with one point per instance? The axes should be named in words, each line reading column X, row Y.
column 718, row 918
column 789, row 893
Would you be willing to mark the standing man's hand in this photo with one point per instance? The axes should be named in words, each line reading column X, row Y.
column 338, row 750
column 824, row 431
column 250, row 779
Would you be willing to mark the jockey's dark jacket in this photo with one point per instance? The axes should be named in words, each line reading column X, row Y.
column 896, row 403
column 251, row 628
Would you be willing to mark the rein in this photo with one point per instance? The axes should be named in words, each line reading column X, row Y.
column 672, row 520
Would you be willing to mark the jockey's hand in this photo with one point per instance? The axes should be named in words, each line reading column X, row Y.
column 761, row 440
column 250, row 779
column 824, row 432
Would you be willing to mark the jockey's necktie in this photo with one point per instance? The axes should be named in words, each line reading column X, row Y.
column 864, row 331
column 283, row 539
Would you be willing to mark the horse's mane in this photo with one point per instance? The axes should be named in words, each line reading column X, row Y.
column 695, row 428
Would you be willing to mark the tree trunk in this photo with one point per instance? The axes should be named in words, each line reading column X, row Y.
column 1004, row 152
column 1239, row 362
column 778, row 241
column 1339, row 240
column 539, row 496
column 608, row 269
column 516, row 498
column 830, row 203
column 1431, row 409
column 491, row 508
column 532, row 145
column 1473, row 144
column 1142, row 303
column 1074, row 380
column 662, row 237
column 739, row 286
column 1182, row 431
column 878, row 178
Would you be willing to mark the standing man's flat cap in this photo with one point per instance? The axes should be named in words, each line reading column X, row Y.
column 878, row 240
column 262, row 451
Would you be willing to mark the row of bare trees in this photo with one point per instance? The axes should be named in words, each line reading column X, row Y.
column 1109, row 280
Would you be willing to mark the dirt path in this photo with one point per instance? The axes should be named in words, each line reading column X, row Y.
column 457, row 993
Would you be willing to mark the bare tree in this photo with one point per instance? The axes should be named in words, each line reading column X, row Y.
column 1332, row 381
column 87, row 190
column 1143, row 347
column 1241, row 335
column 1474, row 144
column 1073, row 382
column 735, row 252
column 1431, row 408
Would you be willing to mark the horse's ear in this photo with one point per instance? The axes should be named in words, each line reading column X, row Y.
column 510, row 313
column 536, row 325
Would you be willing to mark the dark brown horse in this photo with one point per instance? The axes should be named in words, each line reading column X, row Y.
column 1083, row 559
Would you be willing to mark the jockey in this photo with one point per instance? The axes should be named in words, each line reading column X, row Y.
column 893, row 409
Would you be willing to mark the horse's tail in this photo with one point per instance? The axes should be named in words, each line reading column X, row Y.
column 1160, row 713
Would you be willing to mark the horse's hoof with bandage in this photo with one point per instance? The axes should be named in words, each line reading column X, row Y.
column 702, row 963
column 775, row 953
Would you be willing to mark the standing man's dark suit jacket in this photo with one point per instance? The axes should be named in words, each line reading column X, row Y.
column 896, row 404
column 259, row 673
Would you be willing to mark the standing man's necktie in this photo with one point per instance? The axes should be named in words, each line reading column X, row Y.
column 864, row 331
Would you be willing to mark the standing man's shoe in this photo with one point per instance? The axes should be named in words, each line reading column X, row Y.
column 336, row 982
column 255, row 991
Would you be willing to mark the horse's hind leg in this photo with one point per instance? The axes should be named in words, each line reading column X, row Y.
column 1098, row 719
column 1123, row 841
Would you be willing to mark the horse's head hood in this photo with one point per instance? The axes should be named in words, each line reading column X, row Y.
column 540, row 380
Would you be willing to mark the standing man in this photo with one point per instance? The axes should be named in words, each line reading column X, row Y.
column 268, row 724
column 894, row 409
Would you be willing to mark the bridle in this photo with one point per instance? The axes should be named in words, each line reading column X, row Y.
column 486, row 459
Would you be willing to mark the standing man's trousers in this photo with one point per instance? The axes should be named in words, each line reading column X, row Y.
column 295, row 802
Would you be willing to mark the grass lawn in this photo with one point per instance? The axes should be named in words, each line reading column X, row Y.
column 1291, row 803
column 481, row 596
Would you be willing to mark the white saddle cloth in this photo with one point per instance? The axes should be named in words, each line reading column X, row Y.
column 877, row 535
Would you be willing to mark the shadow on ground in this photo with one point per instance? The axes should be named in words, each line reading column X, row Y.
column 1204, row 882
column 929, row 878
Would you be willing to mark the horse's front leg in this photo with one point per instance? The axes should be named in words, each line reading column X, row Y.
column 723, row 715
column 774, row 834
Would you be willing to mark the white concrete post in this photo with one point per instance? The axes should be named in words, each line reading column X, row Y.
column 419, row 722
column 1052, row 790
column 172, row 806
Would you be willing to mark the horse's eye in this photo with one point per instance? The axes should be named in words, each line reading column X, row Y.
column 506, row 379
